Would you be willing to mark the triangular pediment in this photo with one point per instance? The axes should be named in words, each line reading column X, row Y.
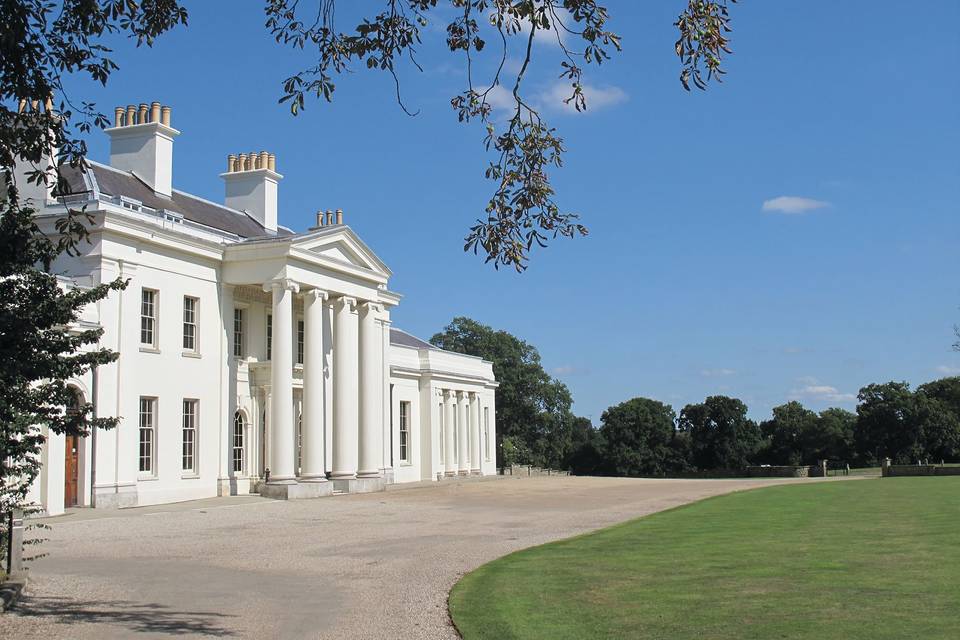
column 340, row 244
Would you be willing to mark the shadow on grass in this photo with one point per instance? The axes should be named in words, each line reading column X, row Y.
column 135, row 617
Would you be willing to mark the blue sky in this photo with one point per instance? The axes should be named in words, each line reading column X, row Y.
column 686, row 286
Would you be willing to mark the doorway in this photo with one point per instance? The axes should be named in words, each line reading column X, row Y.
column 71, row 471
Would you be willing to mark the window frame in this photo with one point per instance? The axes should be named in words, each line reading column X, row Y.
column 237, row 444
column 152, row 320
column 301, row 336
column 151, row 442
column 194, row 432
column 192, row 324
column 404, row 430
column 269, row 325
column 239, row 346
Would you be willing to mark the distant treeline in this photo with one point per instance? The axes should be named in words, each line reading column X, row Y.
column 536, row 425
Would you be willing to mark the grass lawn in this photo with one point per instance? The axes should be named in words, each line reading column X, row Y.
column 863, row 559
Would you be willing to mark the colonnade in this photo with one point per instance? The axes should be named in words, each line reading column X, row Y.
column 461, row 432
column 357, row 371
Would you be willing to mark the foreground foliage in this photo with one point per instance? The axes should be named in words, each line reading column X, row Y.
column 867, row 559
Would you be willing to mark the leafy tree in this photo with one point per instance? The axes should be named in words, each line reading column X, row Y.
column 42, row 43
column 721, row 435
column 587, row 449
column 39, row 353
column 638, row 434
column 830, row 437
column 944, row 389
column 533, row 409
column 786, row 433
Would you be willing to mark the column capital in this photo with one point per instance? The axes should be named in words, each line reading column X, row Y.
column 314, row 294
column 369, row 306
column 346, row 303
column 285, row 283
column 449, row 394
column 461, row 395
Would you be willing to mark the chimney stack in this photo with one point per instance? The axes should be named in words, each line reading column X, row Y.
column 251, row 183
column 141, row 141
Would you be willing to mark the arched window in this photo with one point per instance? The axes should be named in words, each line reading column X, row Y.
column 238, row 426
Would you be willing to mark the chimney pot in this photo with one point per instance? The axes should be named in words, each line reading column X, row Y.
column 271, row 162
column 154, row 112
column 242, row 162
column 339, row 216
column 131, row 115
column 263, row 161
column 142, row 116
column 165, row 116
column 231, row 163
column 329, row 216
column 34, row 105
column 48, row 105
column 320, row 218
column 118, row 117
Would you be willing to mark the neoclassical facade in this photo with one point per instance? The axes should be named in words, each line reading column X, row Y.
column 252, row 358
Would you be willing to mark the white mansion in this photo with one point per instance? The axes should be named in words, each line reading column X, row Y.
column 251, row 358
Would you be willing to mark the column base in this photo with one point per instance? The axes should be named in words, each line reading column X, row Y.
column 476, row 472
column 295, row 490
column 449, row 474
column 463, row 472
column 369, row 474
column 358, row 485
column 313, row 478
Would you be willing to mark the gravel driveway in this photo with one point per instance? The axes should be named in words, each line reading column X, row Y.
column 364, row 566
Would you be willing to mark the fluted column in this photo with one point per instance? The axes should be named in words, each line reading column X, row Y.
column 475, row 452
column 283, row 431
column 463, row 434
column 312, row 454
column 345, row 389
column 371, row 387
column 449, row 412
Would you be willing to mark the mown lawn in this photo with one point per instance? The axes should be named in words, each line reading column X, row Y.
column 864, row 559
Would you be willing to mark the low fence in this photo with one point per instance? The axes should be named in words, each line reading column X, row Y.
column 527, row 470
column 899, row 470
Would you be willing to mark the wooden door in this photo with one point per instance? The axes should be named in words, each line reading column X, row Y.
column 71, row 468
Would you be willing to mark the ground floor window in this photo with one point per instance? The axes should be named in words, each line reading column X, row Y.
column 189, row 453
column 238, row 426
column 148, row 422
column 404, row 431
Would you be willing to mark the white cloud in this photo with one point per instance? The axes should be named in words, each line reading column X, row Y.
column 551, row 99
column 568, row 370
column 821, row 392
column 793, row 205
column 717, row 373
column 948, row 370
column 501, row 99
column 597, row 97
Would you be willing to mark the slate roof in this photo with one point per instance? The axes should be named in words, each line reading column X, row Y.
column 121, row 183
column 403, row 339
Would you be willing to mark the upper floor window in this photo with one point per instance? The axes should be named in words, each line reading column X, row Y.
column 404, row 431
column 269, row 336
column 189, row 453
column 299, row 341
column 238, row 333
column 148, row 317
column 189, row 323
column 148, row 443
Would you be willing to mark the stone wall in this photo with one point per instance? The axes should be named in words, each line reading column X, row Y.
column 527, row 470
column 891, row 470
column 784, row 471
